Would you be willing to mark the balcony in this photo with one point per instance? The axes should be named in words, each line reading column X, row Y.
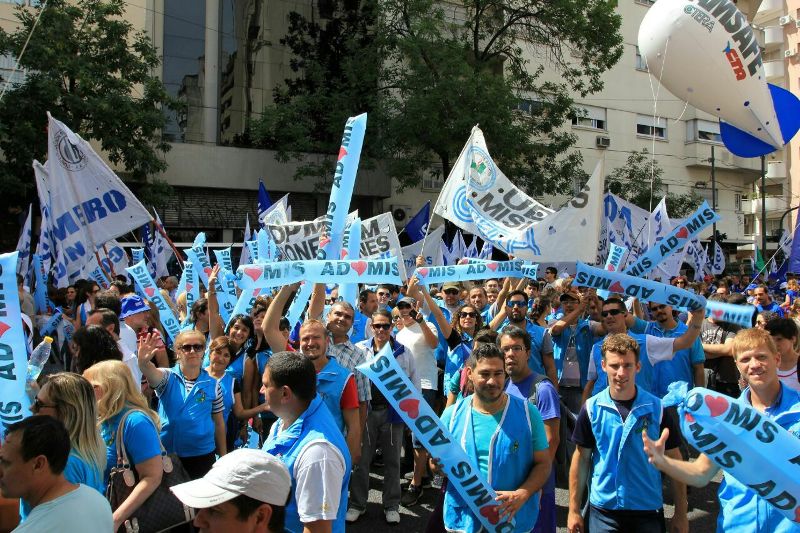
column 698, row 154
column 775, row 206
column 774, row 70
column 773, row 37
column 776, row 172
column 768, row 10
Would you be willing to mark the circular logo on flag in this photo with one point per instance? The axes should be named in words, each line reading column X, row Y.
column 68, row 154
column 482, row 172
column 460, row 206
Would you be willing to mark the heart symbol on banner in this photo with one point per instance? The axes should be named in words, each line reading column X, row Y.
column 716, row 405
column 611, row 268
column 410, row 406
column 682, row 233
column 490, row 512
column 343, row 255
column 3, row 328
column 255, row 292
column 149, row 291
column 189, row 287
column 342, row 152
column 492, row 266
column 797, row 515
column 207, row 270
column 252, row 272
column 422, row 271
column 689, row 417
column 323, row 242
column 359, row 266
column 616, row 287
column 718, row 313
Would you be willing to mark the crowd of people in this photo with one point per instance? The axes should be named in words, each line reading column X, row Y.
column 538, row 380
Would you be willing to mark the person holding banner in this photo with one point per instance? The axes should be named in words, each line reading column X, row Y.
column 741, row 508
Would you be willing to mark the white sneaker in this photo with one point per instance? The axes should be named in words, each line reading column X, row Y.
column 354, row 514
column 392, row 517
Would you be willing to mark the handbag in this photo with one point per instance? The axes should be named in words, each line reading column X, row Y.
column 161, row 510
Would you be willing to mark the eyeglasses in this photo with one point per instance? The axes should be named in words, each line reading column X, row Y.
column 384, row 327
column 469, row 314
column 192, row 348
column 452, row 291
column 516, row 348
column 38, row 404
column 383, row 295
column 517, row 303
column 658, row 307
column 395, row 318
column 612, row 312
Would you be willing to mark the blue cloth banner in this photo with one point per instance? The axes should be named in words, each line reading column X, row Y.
column 462, row 471
column 147, row 289
column 224, row 258
column 471, row 271
column 417, row 227
column 285, row 272
column 13, row 369
column 749, row 446
column 202, row 266
column 741, row 315
column 99, row 277
column 677, row 239
column 613, row 263
column 344, row 178
column 794, row 257
column 645, row 290
column 298, row 305
column 51, row 325
column 351, row 249
column 264, row 201
column 40, row 299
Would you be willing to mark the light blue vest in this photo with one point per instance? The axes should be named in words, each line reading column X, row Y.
column 315, row 424
column 622, row 478
column 510, row 462
column 186, row 425
column 457, row 356
column 330, row 385
column 681, row 367
column 582, row 339
column 226, row 384
column 359, row 331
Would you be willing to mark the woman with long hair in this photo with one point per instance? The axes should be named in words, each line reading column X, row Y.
column 240, row 330
column 92, row 344
column 117, row 395
column 540, row 308
column 85, row 302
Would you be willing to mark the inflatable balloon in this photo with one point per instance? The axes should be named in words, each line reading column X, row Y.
column 705, row 52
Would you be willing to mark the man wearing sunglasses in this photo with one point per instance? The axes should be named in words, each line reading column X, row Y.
column 653, row 350
column 384, row 429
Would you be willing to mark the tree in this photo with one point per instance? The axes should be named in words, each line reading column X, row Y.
column 640, row 183
column 89, row 69
column 442, row 68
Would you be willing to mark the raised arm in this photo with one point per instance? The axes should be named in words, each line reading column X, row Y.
column 695, row 322
column 436, row 311
column 215, row 325
column 316, row 304
column 571, row 318
column 148, row 346
column 697, row 473
column 272, row 320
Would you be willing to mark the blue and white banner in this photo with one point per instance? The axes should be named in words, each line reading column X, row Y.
column 718, row 262
column 244, row 258
column 462, row 471
column 529, row 270
column 190, row 284
column 147, row 289
column 137, row 255
column 14, row 402
column 40, row 300
column 252, row 251
column 224, row 258
column 741, row 315
column 338, row 272
column 160, row 251
column 471, row 271
column 264, row 201
column 351, row 250
column 244, row 304
column 267, row 251
column 645, row 290
column 486, row 251
column 298, row 305
column 202, row 265
column 432, row 253
column 99, row 277
column 613, row 263
column 278, row 213
column 344, row 178
column 46, row 247
column 417, row 227
column 24, row 249
column 51, row 326
column 226, row 294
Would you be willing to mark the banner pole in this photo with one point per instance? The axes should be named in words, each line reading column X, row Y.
column 99, row 262
column 169, row 241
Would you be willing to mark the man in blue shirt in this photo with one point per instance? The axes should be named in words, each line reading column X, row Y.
column 741, row 508
column 764, row 302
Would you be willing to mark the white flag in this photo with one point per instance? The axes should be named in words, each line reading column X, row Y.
column 244, row 258
column 786, row 243
column 24, row 249
column 718, row 262
column 89, row 204
column 277, row 214
column 162, row 251
column 432, row 253
column 45, row 248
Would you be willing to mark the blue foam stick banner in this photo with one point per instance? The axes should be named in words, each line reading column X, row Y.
column 14, row 367
column 147, row 289
column 351, row 249
column 753, row 448
column 202, row 266
column 741, row 315
column 137, row 254
column 245, row 303
column 252, row 247
column 344, row 178
column 645, row 290
column 224, row 258
column 40, row 290
column 471, row 271
column 295, row 312
column 190, row 284
column 262, row 240
column 529, row 269
column 51, row 325
column 226, row 294
column 462, row 472
column 677, row 238
column 99, row 277
column 613, row 263
column 285, row 272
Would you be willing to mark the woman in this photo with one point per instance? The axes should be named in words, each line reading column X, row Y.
column 220, row 354
column 70, row 399
column 190, row 403
column 540, row 309
column 198, row 317
column 792, row 289
column 85, row 302
column 116, row 395
column 92, row 344
column 240, row 330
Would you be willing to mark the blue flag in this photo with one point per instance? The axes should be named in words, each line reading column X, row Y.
column 417, row 227
column 264, row 201
column 794, row 258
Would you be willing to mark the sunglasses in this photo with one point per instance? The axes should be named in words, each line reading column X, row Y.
column 38, row 404
column 384, row 327
column 468, row 314
column 192, row 348
column 395, row 318
column 452, row 291
column 612, row 312
column 658, row 307
column 403, row 306
column 516, row 303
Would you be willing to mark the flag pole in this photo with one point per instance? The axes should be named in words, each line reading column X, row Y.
column 169, row 241
column 110, row 263
column 100, row 263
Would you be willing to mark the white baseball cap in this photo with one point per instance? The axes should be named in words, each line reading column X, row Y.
column 244, row 471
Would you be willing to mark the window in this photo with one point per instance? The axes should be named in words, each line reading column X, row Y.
column 647, row 3
column 589, row 117
column 702, row 130
column 749, row 224
column 7, row 63
column 641, row 64
column 651, row 127
column 530, row 107
column 737, row 202
column 433, row 179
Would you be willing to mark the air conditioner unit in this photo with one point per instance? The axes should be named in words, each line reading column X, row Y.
column 790, row 53
column 700, row 185
column 401, row 213
column 786, row 19
column 602, row 141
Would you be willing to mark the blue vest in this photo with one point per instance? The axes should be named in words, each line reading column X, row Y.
column 510, row 462
column 583, row 339
column 622, row 478
column 740, row 508
column 187, row 428
column 457, row 356
column 359, row 331
column 681, row 367
column 330, row 385
column 314, row 425
column 226, row 384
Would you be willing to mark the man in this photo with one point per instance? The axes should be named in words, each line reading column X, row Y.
column 505, row 437
column 741, row 509
column 763, row 301
column 784, row 335
column 515, row 343
column 336, row 385
column 625, row 490
column 686, row 365
column 652, row 350
column 309, row 442
column 245, row 491
column 25, row 299
column 491, row 296
column 491, row 284
column 515, row 314
column 106, row 319
column 451, row 300
column 384, row 429
column 717, row 338
column 384, row 296
column 32, row 462
column 109, row 299
column 478, row 299
column 171, row 286
column 367, row 304
column 550, row 276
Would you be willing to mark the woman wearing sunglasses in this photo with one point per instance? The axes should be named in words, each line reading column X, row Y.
column 191, row 402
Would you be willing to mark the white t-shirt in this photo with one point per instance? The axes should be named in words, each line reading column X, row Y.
column 789, row 378
column 318, row 472
column 81, row 510
column 130, row 359
column 127, row 336
column 424, row 356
